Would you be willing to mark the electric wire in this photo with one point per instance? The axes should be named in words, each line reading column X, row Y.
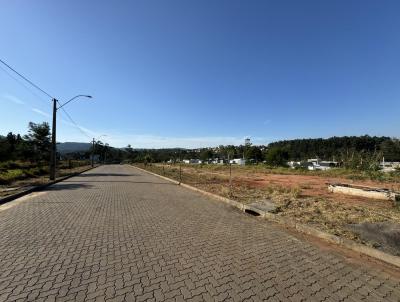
column 25, row 78
column 40, row 89
column 24, row 85
column 74, row 123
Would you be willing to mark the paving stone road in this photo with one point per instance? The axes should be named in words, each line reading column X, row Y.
column 118, row 234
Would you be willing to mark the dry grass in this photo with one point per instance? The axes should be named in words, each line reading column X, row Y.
column 36, row 180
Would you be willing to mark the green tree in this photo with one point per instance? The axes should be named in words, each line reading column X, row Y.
column 277, row 157
column 206, row 154
column 148, row 159
column 38, row 139
column 391, row 150
column 253, row 153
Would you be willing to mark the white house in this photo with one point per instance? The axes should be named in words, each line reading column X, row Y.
column 238, row 161
column 315, row 164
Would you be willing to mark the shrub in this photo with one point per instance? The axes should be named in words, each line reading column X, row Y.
column 12, row 175
column 10, row 165
column 37, row 171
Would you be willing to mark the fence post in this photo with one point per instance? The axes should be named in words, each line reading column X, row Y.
column 230, row 176
column 180, row 168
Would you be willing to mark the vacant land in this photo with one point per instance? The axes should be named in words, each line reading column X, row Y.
column 301, row 195
column 16, row 176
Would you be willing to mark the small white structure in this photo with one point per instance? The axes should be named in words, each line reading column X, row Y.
column 192, row 161
column 388, row 166
column 294, row 164
column 238, row 161
column 216, row 161
column 370, row 192
column 315, row 164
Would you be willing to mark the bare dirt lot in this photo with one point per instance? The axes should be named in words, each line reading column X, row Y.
column 303, row 196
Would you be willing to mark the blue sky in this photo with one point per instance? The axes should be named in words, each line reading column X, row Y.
column 203, row 73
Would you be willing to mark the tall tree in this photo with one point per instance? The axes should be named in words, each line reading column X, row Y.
column 38, row 138
column 277, row 157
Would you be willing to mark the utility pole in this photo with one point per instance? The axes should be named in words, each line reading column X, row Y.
column 180, row 167
column 230, row 175
column 93, row 152
column 53, row 152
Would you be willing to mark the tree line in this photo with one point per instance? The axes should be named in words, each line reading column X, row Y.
column 358, row 152
column 334, row 148
column 35, row 147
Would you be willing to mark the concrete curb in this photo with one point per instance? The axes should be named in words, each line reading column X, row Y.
column 158, row 175
column 215, row 196
column 302, row 228
column 39, row 188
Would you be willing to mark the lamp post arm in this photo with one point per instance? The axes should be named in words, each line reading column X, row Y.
column 79, row 95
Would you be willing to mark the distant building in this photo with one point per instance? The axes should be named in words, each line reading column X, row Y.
column 218, row 161
column 316, row 164
column 192, row 161
column 388, row 166
column 238, row 161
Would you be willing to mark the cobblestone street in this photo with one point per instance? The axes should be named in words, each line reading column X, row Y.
column 116, row 233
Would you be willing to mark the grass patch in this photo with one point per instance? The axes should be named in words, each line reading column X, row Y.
column 12, row 175
column 12, row 171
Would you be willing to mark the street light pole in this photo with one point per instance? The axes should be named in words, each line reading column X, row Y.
column 93, row 153
column 53, row 153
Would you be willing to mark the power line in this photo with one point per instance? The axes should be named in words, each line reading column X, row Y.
column 41, row 90
column 24, row 85
column 75, row 124
column 26, row 79
column 30, row 90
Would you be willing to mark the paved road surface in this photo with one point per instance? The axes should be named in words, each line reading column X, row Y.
column 119, row 234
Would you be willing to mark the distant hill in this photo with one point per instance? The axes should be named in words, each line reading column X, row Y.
column 69, row 147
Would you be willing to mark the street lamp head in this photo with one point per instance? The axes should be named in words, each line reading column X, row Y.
column 75, row 97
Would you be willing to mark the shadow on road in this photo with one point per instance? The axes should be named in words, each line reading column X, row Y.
column 105, row 174
column 127, row 181
column 68, row 186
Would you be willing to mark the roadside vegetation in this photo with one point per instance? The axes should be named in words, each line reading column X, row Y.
column 24, row 159
column 13, row 171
